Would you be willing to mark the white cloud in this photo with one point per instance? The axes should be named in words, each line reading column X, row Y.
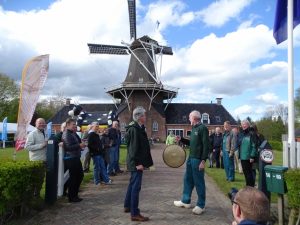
column 220, row 12
column 243, row 110
column 268, row 98
column 224, row 65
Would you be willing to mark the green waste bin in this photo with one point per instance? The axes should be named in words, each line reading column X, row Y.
column 275, row 179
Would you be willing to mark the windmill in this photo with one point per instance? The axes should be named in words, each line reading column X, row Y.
column 143, row 72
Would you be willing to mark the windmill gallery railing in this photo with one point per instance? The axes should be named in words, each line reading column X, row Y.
column 142, row 86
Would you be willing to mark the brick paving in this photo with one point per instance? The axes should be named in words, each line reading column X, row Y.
column 160, row 188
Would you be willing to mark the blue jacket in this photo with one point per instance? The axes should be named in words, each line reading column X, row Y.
column 250, row 222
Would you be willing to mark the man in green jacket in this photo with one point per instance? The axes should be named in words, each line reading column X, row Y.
column 194, row 174
column 138, row 158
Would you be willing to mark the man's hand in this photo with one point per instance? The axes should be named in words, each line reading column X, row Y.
column 234, row 223
column 140, row 167
column 251, row 160
column 82, row 145
column 202, row 165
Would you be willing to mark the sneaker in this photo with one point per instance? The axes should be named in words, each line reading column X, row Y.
column 108, row 182
column 197, row 210
column 181, row 204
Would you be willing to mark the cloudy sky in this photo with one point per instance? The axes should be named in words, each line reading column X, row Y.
column 222, row 48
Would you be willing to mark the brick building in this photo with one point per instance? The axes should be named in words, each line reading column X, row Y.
column 159, row 121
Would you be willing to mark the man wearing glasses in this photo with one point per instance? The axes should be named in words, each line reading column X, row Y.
column 250, row 206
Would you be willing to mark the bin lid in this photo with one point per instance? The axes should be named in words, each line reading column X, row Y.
column 271, row 168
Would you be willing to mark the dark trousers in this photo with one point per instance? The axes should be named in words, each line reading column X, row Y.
column 217, row 157
column 76, row 175
column 248, row 173
column 133, row 191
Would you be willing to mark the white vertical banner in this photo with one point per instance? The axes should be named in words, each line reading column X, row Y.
column 34, row 76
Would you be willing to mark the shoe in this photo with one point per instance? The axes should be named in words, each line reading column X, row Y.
column 76, row 199
column 139, row 218
column 120, row 171
column 126, row 210
column 181, row 204
column 197, row 210
column 108, row 182
column 112, row 174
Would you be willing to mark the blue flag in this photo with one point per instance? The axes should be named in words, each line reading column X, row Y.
column 280, row 24
column 49, row 130
column 4, row 130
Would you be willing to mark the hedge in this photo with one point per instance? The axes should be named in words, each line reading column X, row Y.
column 292, row 177
column 18, row 183
column 276, row 145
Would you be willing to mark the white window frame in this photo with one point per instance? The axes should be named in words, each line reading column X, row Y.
column 205, row 115
column 122, row 126
column 176, row 132
column 155, row 126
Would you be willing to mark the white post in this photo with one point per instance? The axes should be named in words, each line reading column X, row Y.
column 3, row 144
column 60, row 181
column 291, row 109
column 285, row 154
column 298, row 155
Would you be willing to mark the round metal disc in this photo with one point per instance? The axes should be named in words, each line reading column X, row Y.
column 174, row 156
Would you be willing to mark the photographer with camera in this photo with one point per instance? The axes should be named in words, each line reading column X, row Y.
column 250, row 206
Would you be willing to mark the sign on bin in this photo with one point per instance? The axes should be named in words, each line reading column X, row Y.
column 275, row 179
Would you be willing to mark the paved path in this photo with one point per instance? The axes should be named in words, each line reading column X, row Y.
column 160, row 188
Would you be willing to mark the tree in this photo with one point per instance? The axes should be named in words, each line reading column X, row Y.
column 47, row 108
column 9, row 98
column 271, row 129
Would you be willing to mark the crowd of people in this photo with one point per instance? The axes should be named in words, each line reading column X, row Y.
column 234, row 150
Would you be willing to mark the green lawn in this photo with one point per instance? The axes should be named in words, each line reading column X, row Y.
column 218, row 175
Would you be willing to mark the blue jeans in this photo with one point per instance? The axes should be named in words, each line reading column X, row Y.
column 133, row 191
column 117, row 167
column 99, row 168
column 228, row 165
column 112, row 159
column 194, row 177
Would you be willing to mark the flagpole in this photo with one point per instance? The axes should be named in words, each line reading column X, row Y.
column 291, row 107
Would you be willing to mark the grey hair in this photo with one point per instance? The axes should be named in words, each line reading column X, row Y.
column 94, row 124
column 246, row 121
column 138, row 112
column 196, row 114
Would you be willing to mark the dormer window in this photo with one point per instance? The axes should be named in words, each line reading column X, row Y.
column 205, row 118
column 184, row 118
column 218, row 119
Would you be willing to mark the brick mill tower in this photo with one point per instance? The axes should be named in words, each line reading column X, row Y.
column 142, row 86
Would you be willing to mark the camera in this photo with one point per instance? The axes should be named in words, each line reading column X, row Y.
column 232, row 193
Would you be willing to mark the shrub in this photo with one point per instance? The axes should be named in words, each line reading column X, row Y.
column 18, row 182
column 276, row 145
column 292, row 177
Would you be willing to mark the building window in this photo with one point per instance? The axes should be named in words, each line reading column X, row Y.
column 205, row 118
column 122, row 126
column 188, row 133
column 155, row 126
column 218, row 119
column 177, row 132
column 184, row 119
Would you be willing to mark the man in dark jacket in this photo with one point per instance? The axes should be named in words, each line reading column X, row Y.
column 194, row 174
column 73, row 149
column 250, row 207
column 97, row 153
column 138, row 158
